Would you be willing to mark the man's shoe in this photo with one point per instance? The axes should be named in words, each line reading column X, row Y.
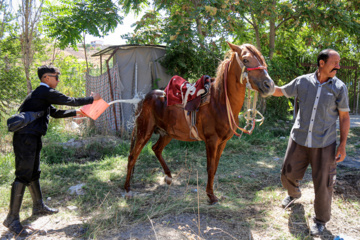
column 39, row 207
column 317, row 229
column 288, row 201
column 14, row 225
column 12, row 221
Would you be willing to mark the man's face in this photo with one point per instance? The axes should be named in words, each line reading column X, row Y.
column 51, row 79
column 329, row 69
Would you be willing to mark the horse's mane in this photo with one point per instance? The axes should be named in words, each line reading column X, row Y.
column 228, row 56
column 221, row 69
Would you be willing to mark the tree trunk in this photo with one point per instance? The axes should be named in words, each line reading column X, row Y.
column 4, row 19
column 87, row 65
column 28, row 80
column 198, row 25
column 272, row 39
column 272, row 32
column 26, row 43
column 257, row 33
column 30, row 16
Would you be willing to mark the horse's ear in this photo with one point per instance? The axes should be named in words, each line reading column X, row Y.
column 233, row 47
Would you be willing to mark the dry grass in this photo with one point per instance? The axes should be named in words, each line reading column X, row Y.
column 247, row 182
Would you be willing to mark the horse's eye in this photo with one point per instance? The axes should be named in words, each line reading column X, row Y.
column 245, row 61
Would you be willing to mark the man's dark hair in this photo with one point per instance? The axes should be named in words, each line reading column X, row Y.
column 46, row 69
column 324, row 55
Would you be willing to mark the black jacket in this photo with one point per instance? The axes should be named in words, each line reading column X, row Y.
column 41, row 99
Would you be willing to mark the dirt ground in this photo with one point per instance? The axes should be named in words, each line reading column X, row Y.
column 212, row 227
column 294, row 220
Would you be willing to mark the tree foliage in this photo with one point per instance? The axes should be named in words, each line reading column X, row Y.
column 29, row 14
column 67, row 20
column 287, row 32
column 11, row 75
column 268, row 24
column 190, row 31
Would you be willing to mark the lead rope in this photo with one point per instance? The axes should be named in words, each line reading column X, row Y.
column 231, row 119
column 250, row 118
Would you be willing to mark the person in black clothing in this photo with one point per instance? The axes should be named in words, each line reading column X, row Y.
column 27, row 144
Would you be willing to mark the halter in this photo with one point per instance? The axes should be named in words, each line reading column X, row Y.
column 250, row 120
column 244, row 73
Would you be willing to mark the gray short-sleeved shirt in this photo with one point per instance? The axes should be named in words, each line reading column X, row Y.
column 315, row 124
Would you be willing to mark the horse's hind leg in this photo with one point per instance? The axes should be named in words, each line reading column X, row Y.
column 158, row 148
column 140, row 136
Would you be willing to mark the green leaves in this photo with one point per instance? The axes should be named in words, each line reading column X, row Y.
column 192, row 30
column 195, row 32
column 11, row 75
column 68, row 20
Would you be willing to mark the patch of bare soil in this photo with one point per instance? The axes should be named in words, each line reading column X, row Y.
column 49, row 227
column 80, row 54
column 184, row 226
column 348, row 185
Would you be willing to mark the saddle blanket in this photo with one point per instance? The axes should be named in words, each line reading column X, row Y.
column 180, row 91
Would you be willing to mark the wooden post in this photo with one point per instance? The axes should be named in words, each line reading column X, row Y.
column 358, row 93
column 354, row 101
column 111, row 90
column 100, row 64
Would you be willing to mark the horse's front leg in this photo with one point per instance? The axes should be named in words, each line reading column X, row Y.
column 213, row 151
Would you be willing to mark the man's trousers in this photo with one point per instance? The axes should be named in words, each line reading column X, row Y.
column 323, row 165
column 27, row 149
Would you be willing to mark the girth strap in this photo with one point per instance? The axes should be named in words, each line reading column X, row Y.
column 190, row 117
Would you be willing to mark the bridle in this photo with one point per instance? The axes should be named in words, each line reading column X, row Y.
column 250, row 118
column 245, row 73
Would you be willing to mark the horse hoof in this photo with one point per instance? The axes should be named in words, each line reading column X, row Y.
column 129, row 195
column 168, row 180
column 213, row 203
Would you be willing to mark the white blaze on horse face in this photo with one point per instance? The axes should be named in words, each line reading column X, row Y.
column 270, row 93
column 266, row 86
column 259, row 64
column 250, row 82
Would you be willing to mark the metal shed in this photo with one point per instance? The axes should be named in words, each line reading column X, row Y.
column 136, row 70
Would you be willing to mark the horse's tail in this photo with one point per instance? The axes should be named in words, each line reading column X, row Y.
column 133, row 136
column 137, row 114
column 144, row 123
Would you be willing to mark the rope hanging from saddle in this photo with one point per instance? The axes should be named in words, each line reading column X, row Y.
column 250, row 115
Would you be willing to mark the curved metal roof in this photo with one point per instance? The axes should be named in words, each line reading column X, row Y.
column 109, row 50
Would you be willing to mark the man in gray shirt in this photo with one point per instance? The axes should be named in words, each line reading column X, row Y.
column 322, row 99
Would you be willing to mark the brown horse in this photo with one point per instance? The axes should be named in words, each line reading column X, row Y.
column 212, row 121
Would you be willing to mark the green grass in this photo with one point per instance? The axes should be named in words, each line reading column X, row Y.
column 247, row 181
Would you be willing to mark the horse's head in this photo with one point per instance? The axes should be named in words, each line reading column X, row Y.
column 253, row 63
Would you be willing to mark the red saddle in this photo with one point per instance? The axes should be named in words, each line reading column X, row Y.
column 177, row 88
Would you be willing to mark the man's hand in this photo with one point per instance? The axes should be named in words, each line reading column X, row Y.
column 96, row 96
column 79, row 113
column 340, row 153
column 344, row 121
column 278, row 92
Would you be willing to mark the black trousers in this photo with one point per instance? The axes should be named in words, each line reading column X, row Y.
column 27, row 149
column 323, row 166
